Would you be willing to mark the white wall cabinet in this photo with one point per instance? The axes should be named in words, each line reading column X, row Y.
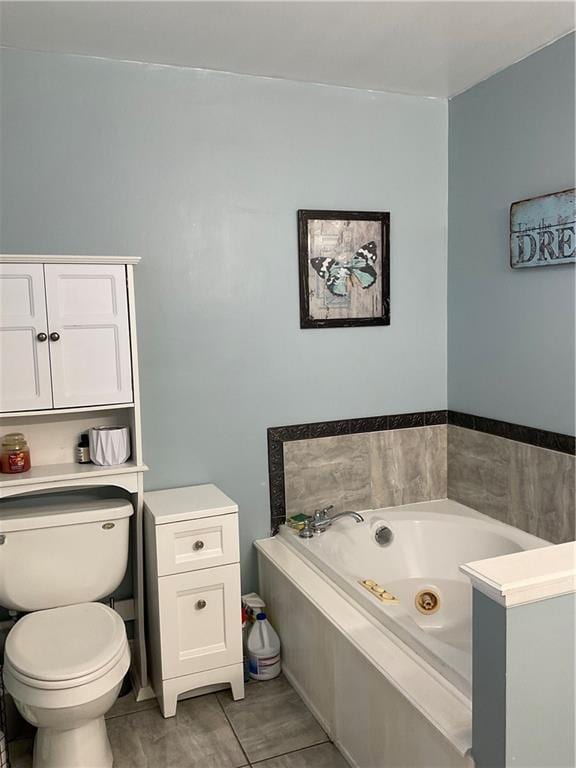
column 193, row 577
column 24, row 350
column 65, row 336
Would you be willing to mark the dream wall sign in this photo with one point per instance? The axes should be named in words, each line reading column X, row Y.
column 542, row 230
column 344, row 259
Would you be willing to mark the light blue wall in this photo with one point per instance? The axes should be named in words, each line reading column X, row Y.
column 524, row 694
column 541, row 684
column 201, row 174
column 510, row 332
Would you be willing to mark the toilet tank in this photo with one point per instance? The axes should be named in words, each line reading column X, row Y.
column 56, row 552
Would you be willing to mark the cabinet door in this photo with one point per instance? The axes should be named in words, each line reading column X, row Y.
column 24, row 356
column 89, row 334
column 200, row 625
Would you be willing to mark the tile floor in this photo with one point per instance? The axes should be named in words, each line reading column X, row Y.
column 270, row 728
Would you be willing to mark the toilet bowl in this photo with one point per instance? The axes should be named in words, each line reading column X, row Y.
column 64, row 668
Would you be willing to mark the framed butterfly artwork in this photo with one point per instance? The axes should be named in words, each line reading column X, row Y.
column 344, row 259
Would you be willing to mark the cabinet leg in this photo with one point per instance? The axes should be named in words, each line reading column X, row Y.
column 237, row 684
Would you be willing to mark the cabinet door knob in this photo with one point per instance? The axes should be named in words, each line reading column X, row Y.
column 201, row 604
column 54, row 336
column 198, row 545
column 42, row 336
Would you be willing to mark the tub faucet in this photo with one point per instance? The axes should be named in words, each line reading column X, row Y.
column 321, row 520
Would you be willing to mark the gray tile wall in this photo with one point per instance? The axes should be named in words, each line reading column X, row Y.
column 366, row 470
column 529, row 487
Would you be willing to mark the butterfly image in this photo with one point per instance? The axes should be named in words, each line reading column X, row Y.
column 338, row 276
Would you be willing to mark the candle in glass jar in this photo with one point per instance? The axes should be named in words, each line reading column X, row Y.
column 15, row 455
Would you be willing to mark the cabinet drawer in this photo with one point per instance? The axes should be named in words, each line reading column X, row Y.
column 196, row 544
column 200, row 623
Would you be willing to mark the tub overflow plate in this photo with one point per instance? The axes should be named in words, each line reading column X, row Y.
column 427, row 601
column 383, row 535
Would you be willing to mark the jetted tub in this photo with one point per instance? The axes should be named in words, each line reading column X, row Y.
column 420, row 568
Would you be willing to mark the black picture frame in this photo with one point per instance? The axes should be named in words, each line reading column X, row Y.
column 304, row 217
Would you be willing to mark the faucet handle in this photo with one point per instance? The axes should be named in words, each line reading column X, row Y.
column 322, row 514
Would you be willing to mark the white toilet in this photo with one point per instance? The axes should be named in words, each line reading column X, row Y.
column 65, row 660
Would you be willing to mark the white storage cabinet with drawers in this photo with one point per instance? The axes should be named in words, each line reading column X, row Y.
column 193, row 579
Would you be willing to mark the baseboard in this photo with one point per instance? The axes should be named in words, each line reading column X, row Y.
column 141, row 693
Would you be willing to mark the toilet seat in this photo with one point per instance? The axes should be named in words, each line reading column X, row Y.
column 66, row 656
column 65, row 647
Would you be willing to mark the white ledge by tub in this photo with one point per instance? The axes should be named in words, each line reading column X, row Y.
column 525, row 577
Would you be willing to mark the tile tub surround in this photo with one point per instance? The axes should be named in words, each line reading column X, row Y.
column 366, row 470
column 542, row 438
column 524, row 485
column 280, row 437
column 356, row 462
column 271, row 728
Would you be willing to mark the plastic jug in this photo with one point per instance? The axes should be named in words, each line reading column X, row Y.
column 263, row 650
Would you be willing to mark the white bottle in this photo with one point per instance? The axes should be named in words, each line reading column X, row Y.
column 263, row 650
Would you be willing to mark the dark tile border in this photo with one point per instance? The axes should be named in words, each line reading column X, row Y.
column 541, row 438
column 277, row 436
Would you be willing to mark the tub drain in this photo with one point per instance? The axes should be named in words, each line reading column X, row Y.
column 427, row 601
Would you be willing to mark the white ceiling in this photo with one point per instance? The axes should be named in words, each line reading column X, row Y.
column 425, row 48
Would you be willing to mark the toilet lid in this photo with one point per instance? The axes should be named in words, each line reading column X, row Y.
column 66, row 643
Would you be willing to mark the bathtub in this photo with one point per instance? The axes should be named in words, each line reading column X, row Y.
column 419, row 567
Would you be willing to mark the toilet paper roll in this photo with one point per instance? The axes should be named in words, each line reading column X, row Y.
column 109, row 445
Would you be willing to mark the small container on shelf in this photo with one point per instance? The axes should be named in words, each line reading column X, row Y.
column 83, row 450
column 109, row 446
column 15, row 454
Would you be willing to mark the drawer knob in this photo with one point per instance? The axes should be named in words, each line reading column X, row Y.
column 198, row 545
column 201, row 604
